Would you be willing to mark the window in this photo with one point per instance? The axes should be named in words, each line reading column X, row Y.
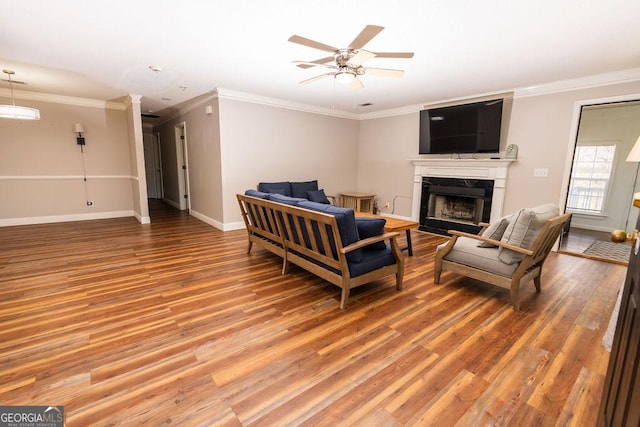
column 592, row 167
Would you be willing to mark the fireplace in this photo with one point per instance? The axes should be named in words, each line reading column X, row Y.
column 455, row 203
column 477, row 196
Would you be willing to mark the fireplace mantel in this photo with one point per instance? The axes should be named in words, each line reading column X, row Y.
column 494, row 169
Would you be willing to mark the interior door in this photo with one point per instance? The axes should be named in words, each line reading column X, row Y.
column 620, row 405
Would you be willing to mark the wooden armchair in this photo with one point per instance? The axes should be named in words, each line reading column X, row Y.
column 466, row 254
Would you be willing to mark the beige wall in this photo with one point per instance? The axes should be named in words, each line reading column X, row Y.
column 384, row 168
column 202, row 133
column 540, row 125
column 543, row 127
column 41, row 165
column 244, row 142
column 267, row 143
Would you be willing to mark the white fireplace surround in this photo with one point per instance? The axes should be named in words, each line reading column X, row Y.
column 494, row 169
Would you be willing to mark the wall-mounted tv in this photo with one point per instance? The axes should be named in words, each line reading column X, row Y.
column 468, row 128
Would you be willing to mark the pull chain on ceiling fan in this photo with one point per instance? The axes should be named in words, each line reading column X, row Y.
column 346, row 64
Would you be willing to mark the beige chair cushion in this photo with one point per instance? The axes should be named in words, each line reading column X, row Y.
column 523, row 230
column 495, row 231
column 467, row 252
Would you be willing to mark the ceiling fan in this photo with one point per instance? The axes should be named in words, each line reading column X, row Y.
column 346, row 64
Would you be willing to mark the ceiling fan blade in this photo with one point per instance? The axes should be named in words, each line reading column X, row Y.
column 321, row 61
column 385, row 72
column 311, row 43
column 356, row 84
column 360, row 57
column 316, row 78
column 365, row 36
column 393, row 54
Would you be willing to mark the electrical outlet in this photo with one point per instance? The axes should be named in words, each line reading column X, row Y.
column 540, row 172
column 386, row 205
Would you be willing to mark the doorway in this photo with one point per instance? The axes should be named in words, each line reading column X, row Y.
column 600, row 184
column 183, row 166
column 153, row 166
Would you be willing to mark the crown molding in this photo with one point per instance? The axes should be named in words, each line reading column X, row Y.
column 63, row 99
column 616, row 77
column 132, row 98
column 274, row 102
column 176, row 111
column 401, row 111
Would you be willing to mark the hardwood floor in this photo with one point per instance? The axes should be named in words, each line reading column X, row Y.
column 579, row 239
column 173, row 323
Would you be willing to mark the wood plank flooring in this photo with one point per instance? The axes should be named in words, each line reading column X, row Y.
column 173, row 323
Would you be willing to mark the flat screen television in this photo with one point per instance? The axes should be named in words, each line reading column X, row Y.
column 467, row 128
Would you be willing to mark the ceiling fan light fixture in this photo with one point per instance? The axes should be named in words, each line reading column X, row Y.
column 344, row 77
column 14, row 111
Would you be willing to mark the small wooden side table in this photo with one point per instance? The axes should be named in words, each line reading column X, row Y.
column 359, row 202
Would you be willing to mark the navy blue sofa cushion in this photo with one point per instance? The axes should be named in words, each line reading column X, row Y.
column 287, row 200
column 372, row 259
column 283, row 188
column 318, row 196
column 256, row 193
column 371, row 227
column 299, row 189
column 346, row 225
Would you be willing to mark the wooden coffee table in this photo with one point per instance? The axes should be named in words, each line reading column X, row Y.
column 393, row 225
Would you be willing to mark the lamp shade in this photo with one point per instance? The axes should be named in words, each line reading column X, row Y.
column 78, row 128
column 634, row 155
column 18, row 112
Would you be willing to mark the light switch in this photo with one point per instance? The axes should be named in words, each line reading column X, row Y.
column 541, row 172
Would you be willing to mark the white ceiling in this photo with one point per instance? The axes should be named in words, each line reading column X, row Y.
column 103, row 50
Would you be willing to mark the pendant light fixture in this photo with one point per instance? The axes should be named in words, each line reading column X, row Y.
column 15, row 111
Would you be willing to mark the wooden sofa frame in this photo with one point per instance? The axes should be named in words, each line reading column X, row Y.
column 265, row 227
column 529, row 268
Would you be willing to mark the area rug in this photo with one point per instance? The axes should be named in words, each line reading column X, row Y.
column 609, row 250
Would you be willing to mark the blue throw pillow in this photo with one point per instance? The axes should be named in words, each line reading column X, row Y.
column 371, row 227
column 299, row 189
column 318, row 196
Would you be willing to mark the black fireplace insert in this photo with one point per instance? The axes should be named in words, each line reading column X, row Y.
column 455, row 204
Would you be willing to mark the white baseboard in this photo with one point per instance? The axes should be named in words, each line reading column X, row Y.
column 66, row 218
column 171, row 203
column 217, row 224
